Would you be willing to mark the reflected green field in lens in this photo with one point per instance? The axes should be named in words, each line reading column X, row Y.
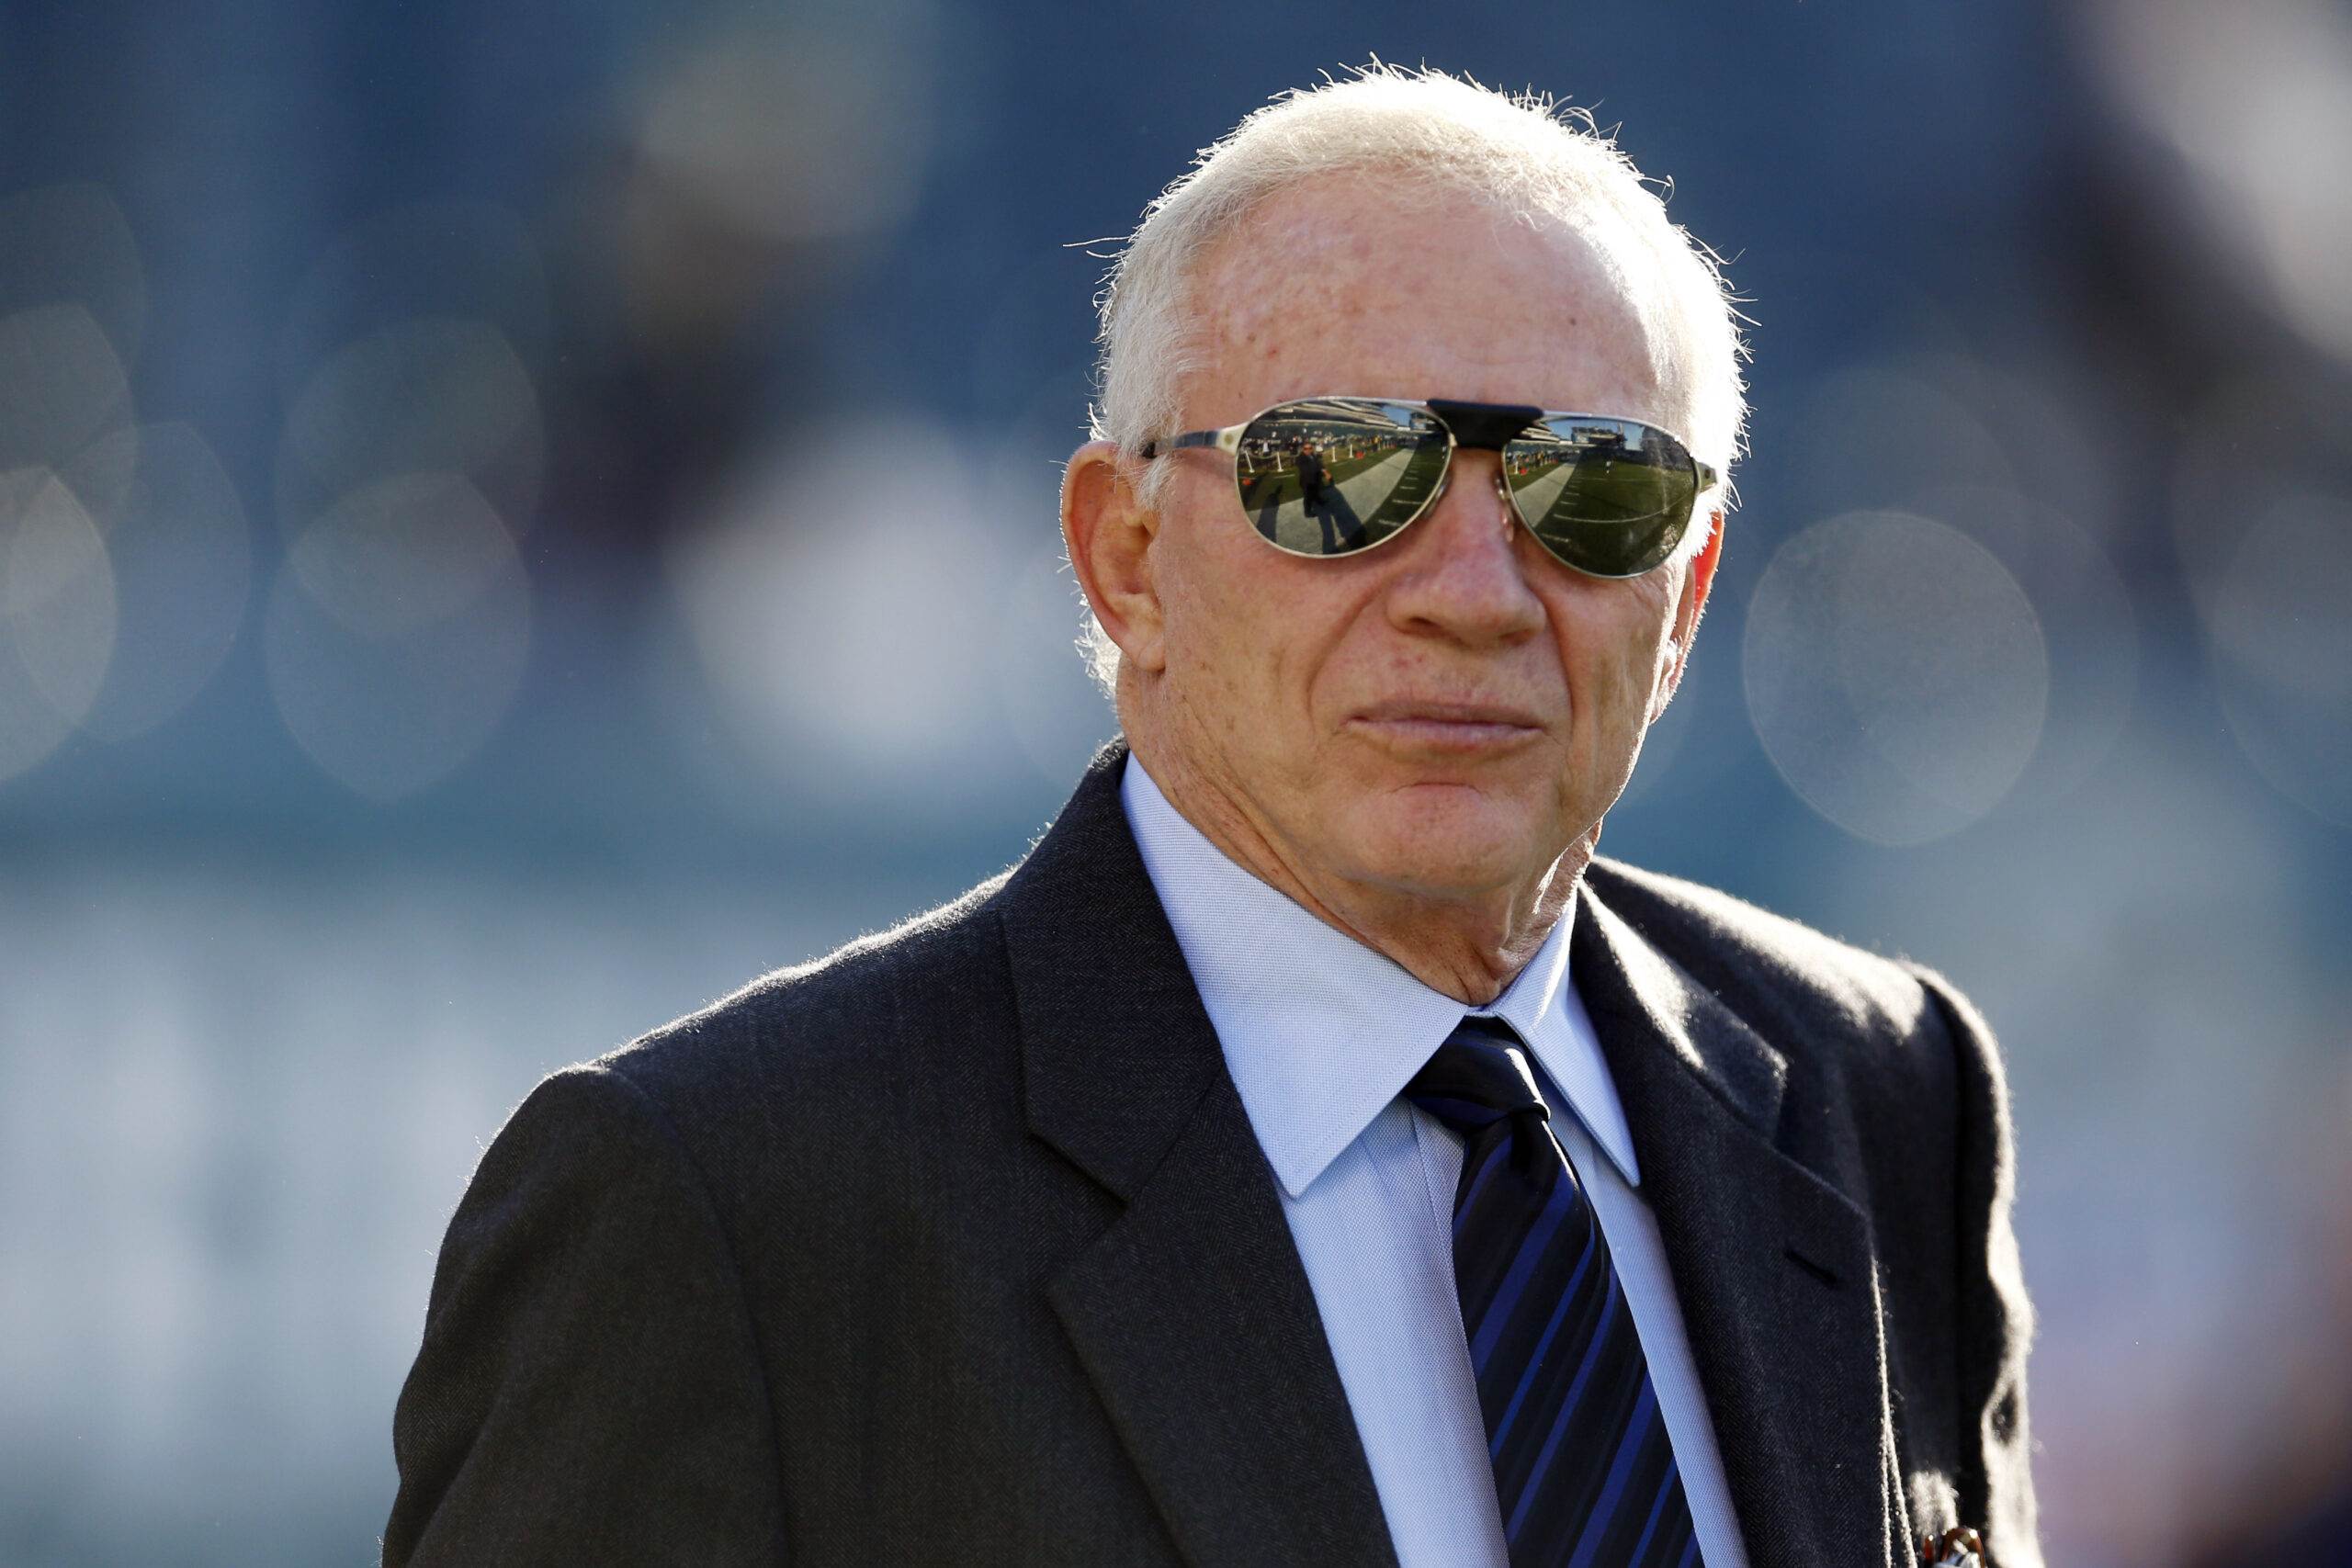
column 1606, row 496
column 1614, row 515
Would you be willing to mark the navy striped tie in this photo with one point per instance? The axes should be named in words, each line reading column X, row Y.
column 1583, row 1467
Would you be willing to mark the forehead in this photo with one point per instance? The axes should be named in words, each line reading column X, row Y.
column 1359, row 284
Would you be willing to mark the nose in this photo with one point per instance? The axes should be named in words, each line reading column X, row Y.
column 1461, row 571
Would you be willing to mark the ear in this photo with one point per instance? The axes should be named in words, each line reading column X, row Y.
column 1110, row 534
column 1697, row 579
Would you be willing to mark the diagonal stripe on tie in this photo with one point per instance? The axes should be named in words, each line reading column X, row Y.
column 1584, row 1467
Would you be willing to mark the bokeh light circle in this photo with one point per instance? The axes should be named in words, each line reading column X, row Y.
column 797, row 128
column 433, row 395
column 843, row 606
column 61, row 385
column 1053, row 709
column 2252, row 106
column 2088, row 624
column 397, row 632
column 1895, row 673
column 2281, row 620
column 71, row 245
column 58, row 615
column 1872, row 436
column 182, row 567
column 440, row 258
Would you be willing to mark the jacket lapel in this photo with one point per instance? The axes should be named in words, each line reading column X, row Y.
column 1774, row 1267
column 1192, row 1314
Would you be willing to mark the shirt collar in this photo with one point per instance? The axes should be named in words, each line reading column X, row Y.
column 1320, row 1032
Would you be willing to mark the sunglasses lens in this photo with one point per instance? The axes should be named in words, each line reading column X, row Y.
column 1334, row 475
column 1608, row 496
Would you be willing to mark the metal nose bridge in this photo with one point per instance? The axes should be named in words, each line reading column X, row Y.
column 1484, row 427
column 1502, row 489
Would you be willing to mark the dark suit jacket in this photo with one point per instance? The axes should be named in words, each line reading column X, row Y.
column 957, row 1247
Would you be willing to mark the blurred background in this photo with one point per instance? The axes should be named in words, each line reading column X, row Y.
column 515, row 519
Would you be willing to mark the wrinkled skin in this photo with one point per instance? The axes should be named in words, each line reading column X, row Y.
column 1416, row 744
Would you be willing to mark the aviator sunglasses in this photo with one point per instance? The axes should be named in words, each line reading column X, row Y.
column 1337, row 476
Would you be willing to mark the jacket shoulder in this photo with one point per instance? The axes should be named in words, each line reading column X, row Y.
column 1896, row 1097
column 1773, row 970
column 911, row 1003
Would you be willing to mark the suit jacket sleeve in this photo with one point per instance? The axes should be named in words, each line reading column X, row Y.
column 588, row 1390
column 1995, row 1319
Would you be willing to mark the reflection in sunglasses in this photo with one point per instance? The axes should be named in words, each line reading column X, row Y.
column 1324, row 477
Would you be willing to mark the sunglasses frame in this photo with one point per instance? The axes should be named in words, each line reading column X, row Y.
column 1479, row 427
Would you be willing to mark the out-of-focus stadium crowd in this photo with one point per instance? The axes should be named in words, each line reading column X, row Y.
column 515, row 519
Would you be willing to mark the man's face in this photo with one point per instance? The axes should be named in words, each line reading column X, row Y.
column 1444, row 716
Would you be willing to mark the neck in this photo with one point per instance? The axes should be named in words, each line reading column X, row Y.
column 1468, row 946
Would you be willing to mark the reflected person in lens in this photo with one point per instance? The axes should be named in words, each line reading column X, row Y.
column 1313, row 1151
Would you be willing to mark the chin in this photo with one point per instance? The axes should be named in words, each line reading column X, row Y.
column 1442, row 840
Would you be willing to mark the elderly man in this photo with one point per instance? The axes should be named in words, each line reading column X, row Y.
column 1311, row 1153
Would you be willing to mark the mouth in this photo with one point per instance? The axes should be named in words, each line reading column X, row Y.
column 1461, row 729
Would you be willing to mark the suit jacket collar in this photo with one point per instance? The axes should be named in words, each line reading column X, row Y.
column 1192, row 1315
column 1320, row 1033
column 1774, row 1267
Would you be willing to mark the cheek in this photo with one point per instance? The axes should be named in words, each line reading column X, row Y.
column 1271, row 624
column 1612, row 638
column 1223, row 619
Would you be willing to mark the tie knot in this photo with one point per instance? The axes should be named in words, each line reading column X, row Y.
column 1479, row 1076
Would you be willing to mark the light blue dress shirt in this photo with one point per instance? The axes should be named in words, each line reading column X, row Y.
column 1320, row 1033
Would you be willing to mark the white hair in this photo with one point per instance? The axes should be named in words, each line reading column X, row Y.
column 1532, row 159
